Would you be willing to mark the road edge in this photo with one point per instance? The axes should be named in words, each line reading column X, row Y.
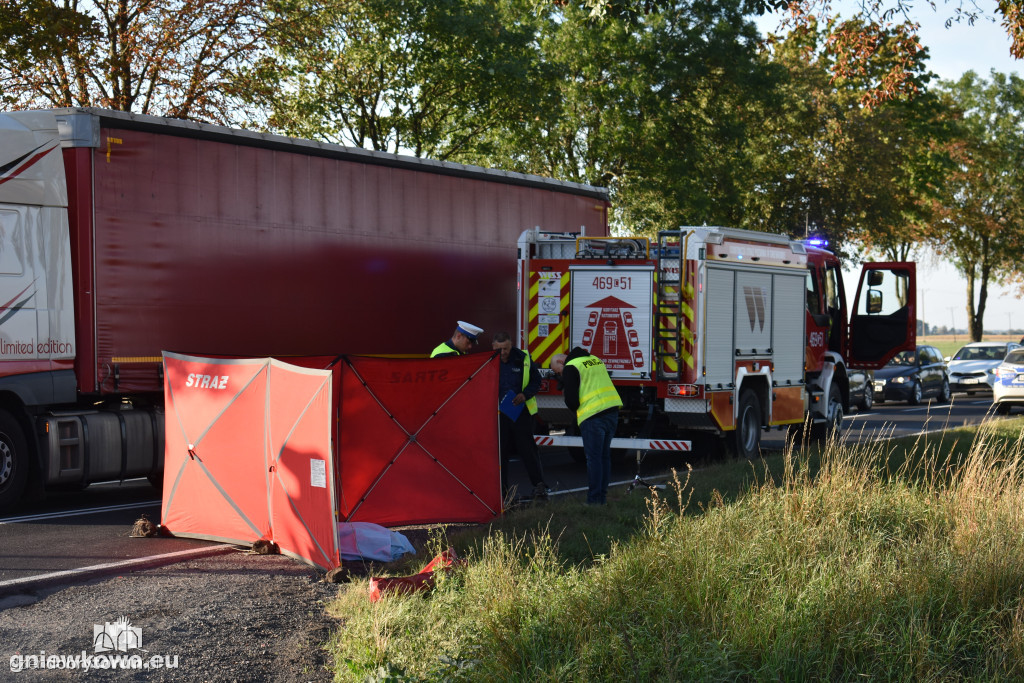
column 29, row 584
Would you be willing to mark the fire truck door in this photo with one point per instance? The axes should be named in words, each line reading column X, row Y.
column 884, row 315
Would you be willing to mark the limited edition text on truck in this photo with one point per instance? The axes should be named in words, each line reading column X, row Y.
column 711, row 335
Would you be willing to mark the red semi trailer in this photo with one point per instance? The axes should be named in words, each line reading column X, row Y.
column 122, row 236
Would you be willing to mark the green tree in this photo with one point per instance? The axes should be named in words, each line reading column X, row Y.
column 833, row 163
column 420, row 76
column 53, row 27
column 655, row 108
column 164, row 57
column 981, row 216
column 855, row 42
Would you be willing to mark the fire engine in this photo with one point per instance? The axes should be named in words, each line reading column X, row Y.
column 710, row 334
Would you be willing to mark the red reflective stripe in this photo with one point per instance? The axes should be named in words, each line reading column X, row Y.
column 669, row 446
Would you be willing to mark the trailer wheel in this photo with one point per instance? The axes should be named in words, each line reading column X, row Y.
column 14, row 461
column 745, row 440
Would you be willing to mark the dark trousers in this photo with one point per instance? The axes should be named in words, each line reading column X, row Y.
column 517, row 437
column 597, row 432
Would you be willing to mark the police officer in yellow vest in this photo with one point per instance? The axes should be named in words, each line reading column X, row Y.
column 588, row 390
column 518, row 382
column 463, row 338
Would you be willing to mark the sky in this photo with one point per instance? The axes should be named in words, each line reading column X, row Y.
column 942, row 297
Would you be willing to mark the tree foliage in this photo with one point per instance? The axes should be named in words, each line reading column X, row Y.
column 981, row 203
column 165, row 57
column 424, row 76
column 829, row 164
column 855, row 39
column 654, row 106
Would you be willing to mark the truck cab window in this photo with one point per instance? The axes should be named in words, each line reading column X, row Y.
column 832, row 292
column 833, row 306
column 886, row 294
column 813, row 295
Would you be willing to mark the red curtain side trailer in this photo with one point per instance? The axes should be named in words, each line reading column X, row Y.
column 127, row 235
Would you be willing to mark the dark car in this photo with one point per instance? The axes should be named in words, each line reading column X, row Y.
column 912, row 376
column 862, row 393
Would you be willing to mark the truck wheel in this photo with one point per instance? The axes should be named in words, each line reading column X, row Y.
column 745, row 440
column 14, row 461
column 944, row 393
column 833, row 415
column 915, row 394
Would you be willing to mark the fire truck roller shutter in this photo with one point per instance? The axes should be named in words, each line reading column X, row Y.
column 788, row 330
column 719, row 341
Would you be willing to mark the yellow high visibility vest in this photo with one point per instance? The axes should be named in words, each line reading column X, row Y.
column 597, row 393
column 531, row 403
column 443, row 348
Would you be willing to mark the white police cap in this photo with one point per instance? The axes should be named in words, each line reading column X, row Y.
column 471, row 331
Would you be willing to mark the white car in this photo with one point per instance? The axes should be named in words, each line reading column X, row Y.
column 1008, row 390
column 973, row 367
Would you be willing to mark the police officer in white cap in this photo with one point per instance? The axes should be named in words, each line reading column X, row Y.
column 462, row 341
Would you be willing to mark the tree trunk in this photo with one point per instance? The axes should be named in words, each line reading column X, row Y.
column 976, row 317
column 971, row 318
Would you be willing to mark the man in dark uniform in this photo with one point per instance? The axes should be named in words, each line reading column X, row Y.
column 588, row 391
column 518, row 382
column 462, row 341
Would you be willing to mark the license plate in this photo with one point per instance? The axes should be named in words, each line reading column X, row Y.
column 972, row 380
column 879, row 386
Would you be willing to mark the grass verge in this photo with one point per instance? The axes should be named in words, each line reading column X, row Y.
column 899, row 560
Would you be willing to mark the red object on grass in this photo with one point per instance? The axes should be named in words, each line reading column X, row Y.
column 424, row 580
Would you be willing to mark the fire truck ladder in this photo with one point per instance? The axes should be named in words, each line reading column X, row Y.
column 668, row 306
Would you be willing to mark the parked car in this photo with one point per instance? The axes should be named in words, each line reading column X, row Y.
column 862, row 393
column 912, row 376
column 973, row 367
column 1008, row 390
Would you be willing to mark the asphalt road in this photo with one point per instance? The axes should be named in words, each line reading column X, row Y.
column 71, row 537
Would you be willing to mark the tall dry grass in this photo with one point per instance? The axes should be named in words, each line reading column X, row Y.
column 863, row 564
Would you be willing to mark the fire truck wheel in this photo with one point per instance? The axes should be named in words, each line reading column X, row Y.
column 744, row 441
column 14, row 461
